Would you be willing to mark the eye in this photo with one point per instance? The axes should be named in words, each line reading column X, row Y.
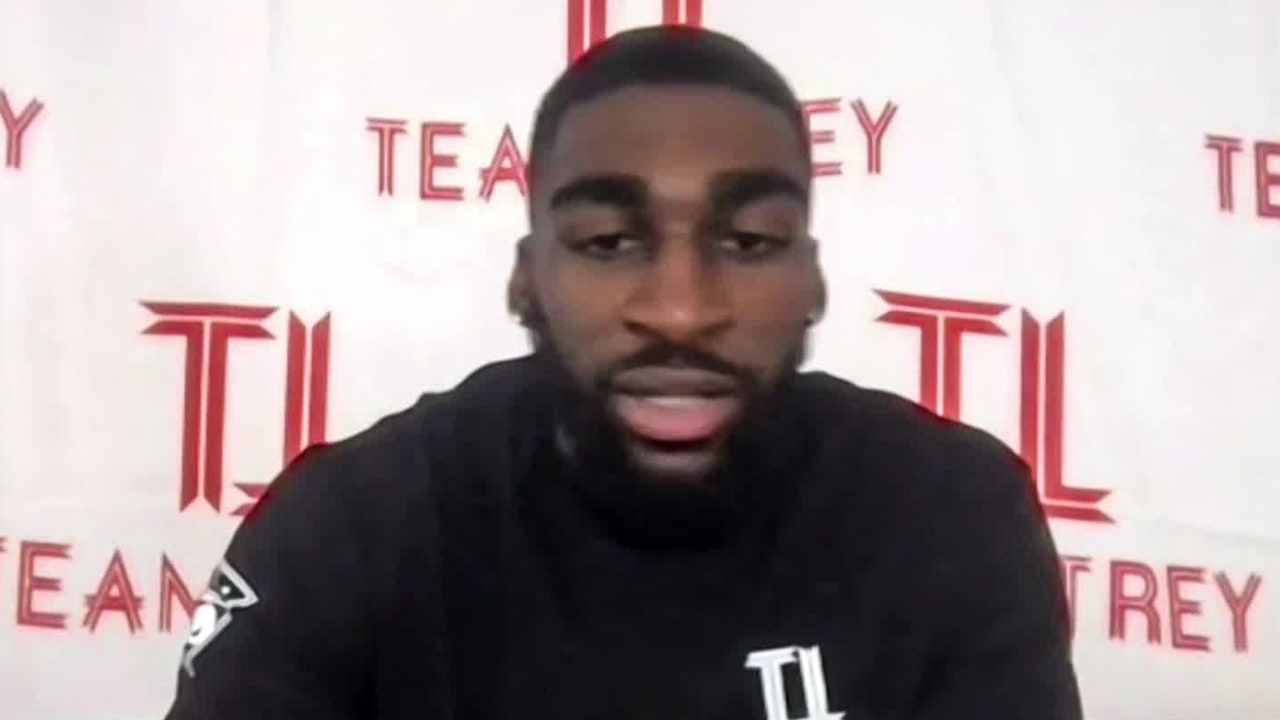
column 608, row 245
column 751, row 245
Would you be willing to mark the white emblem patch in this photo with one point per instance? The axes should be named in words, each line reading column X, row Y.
column 228, row 592
column 813, row 678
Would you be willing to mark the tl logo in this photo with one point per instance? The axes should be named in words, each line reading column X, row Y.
column 208, row 331
column 943, row 323
column 589, row 21
column 770, row 664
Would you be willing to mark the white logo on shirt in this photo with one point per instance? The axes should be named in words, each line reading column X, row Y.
column 770, row 663
column 228, row 592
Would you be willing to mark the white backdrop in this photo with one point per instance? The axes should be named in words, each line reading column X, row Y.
column 204, row 265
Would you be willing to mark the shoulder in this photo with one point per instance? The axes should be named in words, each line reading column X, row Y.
column 390, row 461
column 946, row 501
column 493, row 392
column 914, row 450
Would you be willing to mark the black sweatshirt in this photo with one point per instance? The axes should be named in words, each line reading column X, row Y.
column 441, row 565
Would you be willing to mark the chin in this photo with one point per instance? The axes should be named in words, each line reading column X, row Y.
column 693, row 466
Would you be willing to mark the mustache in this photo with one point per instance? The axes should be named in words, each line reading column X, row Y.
column 673, row 355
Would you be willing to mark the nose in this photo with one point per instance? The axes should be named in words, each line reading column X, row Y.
column 680, row 297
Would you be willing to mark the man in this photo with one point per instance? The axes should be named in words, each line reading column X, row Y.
column 655, row 514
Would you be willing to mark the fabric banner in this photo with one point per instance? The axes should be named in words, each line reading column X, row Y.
column 231, row 229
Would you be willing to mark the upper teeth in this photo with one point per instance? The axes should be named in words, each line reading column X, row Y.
column 674, row 401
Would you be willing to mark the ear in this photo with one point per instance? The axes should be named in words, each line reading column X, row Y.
column 520, row 284
column 820, row 300
column 819, row 306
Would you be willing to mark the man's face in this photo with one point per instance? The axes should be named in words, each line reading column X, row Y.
column 670, row 267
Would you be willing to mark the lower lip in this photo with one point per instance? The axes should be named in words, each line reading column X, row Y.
column 675, row 419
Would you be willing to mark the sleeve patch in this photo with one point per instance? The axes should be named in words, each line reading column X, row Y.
column 228, row 593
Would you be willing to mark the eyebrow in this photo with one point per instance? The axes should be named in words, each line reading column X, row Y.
column 622, row 191
column 732, row 190
column 729, row 191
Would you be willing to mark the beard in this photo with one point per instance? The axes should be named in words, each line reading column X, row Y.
column 647, row 510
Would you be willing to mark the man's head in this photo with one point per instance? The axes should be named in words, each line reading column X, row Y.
column 669, row 269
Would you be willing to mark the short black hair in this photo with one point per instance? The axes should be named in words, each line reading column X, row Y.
column 661, row 55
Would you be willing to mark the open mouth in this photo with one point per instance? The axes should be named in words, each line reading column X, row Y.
column 675, row 408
